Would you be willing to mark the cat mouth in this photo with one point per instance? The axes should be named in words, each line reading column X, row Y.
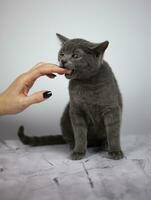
column 70, row 74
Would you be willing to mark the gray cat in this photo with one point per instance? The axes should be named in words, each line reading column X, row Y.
column 93, row 115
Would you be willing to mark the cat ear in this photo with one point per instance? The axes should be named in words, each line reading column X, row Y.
column 100, row 48
column 62, row 38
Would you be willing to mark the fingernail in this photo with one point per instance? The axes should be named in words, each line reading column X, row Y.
column 52, row 75
column 47, row 94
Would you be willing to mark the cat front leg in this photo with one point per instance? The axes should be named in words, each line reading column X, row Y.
column 80, row 135
column 112, row 121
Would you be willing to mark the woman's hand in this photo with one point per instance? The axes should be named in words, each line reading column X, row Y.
column 15, row 98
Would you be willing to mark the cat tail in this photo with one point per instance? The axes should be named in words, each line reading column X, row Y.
column 39, row 141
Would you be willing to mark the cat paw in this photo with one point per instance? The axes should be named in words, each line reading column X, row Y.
column 116, row 155
column 77, row 155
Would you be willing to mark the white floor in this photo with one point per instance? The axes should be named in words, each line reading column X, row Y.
column 47, row 173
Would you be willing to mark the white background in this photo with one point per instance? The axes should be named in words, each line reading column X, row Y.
column 27, row 36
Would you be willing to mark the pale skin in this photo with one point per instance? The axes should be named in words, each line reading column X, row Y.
column 15, row 98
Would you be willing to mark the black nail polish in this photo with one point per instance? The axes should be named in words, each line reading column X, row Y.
column 47, row 94
column 54, row 75
column 51, row 75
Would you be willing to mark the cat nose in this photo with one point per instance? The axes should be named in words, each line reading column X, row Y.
column 63, row 62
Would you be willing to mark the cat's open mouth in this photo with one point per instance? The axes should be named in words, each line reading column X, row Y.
column 70, row 74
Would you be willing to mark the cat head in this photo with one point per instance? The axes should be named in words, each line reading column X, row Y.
column 82, row 57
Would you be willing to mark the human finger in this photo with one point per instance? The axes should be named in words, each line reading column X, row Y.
column 38, row 97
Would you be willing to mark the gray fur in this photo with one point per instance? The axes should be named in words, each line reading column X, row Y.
column 93, row 115
column 94, row 112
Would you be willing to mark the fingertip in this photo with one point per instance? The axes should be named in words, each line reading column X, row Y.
column 47, row 94
column 51, row 75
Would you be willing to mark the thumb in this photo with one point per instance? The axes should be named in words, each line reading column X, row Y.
column 38, row 97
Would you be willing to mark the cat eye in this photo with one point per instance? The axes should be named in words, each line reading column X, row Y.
column 61, row 54
column 75, row 55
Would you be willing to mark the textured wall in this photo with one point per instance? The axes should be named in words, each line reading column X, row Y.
column 27, row 36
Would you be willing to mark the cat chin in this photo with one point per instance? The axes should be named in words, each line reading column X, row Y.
column 68, row 76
